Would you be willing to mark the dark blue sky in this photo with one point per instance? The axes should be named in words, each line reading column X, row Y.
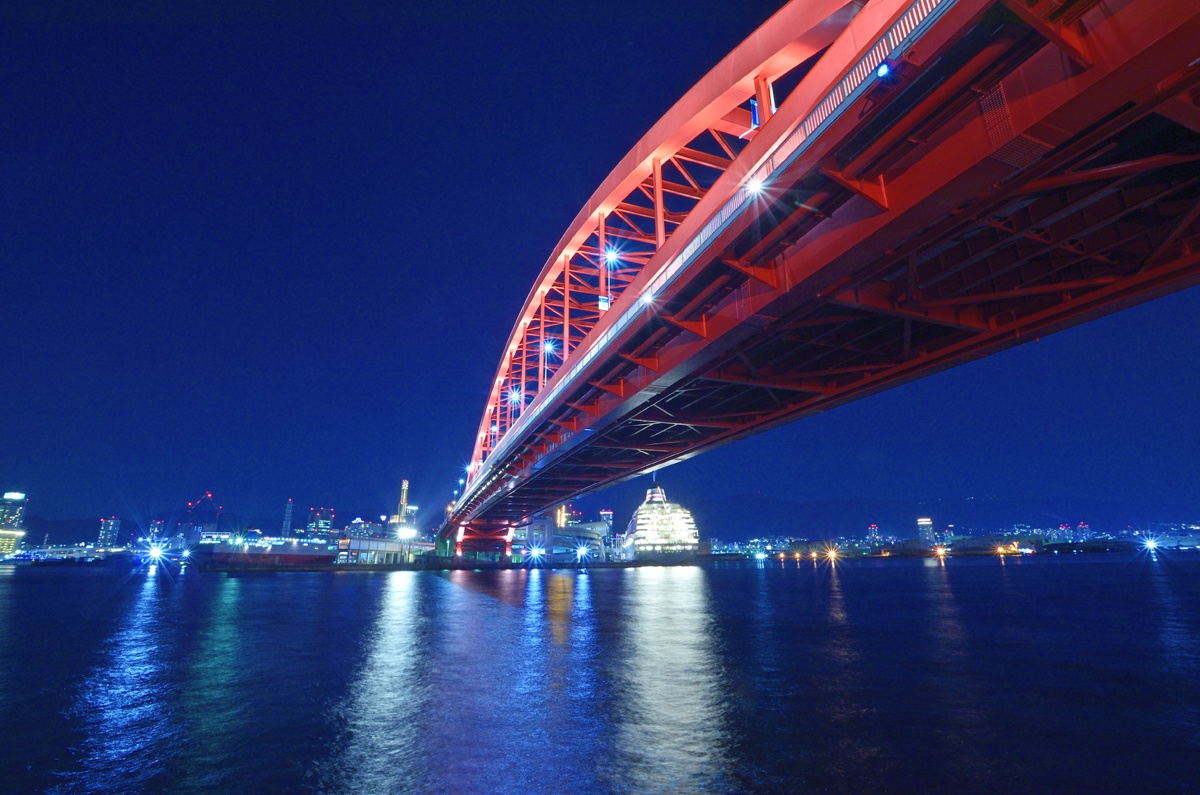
column 276, row 254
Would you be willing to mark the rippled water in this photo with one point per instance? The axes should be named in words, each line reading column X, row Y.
column 1035, row 675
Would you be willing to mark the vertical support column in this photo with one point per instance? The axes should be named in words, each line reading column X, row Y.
column 541, row 379
column 764, row 95
column 603, row 263
column 522, row 352
column 566, row 307
column 660, row 223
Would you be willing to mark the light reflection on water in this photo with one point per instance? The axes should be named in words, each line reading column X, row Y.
column 1179, row 649
column 673, row 736
column 130, row 729
column 382, row 710
column 847, row 676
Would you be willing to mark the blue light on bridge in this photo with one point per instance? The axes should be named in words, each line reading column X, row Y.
column 883, row 69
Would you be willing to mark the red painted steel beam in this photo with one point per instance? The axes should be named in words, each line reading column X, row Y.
column 1022, row 173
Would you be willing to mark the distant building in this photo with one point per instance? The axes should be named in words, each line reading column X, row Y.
column 110, row 530
column 12, row 510
column 360, row 528
column 158, row 528
column 10, row 540
column 320, row 521
column 925, row 532
column 12, row 518
column 287, row 520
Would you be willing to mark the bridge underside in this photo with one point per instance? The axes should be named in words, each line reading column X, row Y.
column 1011, row 178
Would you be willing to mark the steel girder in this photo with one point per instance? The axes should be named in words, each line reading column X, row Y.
column 1023, row 167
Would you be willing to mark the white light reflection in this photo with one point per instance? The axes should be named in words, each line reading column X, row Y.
column 960, row 718
column 1178, row 644
column 126, row 705
column 672, row 734
column 381, row 712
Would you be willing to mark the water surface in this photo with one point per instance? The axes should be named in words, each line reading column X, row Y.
column 1046, row 674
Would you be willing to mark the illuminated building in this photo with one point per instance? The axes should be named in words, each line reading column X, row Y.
column 365, row 529
column 12, row 510
column 925, row 532
column 12, row 518
column 110, row 529
column 320, row 520
column 402, row 523
column 661, row 531
column 10, row 540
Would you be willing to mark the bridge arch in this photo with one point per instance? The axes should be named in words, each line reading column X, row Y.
column 946, row 178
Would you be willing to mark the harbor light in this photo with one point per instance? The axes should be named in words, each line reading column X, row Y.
column 187, row 553
column 1151, row 544
column 156, row 552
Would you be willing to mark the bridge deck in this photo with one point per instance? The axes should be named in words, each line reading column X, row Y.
column 1016, row 168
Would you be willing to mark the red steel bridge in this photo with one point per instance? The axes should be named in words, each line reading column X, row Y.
column 859, row 195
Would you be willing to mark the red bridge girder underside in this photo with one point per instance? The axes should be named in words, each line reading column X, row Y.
column 1024, row 167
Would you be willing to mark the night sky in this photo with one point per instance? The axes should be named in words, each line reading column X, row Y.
column 277, row 254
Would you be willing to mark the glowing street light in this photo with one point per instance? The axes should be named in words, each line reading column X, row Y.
column 754, row 185
column 612, row 256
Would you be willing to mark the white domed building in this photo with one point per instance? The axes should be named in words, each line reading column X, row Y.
column 661, row 531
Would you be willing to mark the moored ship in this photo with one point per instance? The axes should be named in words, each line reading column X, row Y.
column 661, row 532
column 285, row 553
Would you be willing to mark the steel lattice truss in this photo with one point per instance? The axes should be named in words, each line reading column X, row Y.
column 1012, row 168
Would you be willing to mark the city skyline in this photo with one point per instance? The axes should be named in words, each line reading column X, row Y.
column 231, row 270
